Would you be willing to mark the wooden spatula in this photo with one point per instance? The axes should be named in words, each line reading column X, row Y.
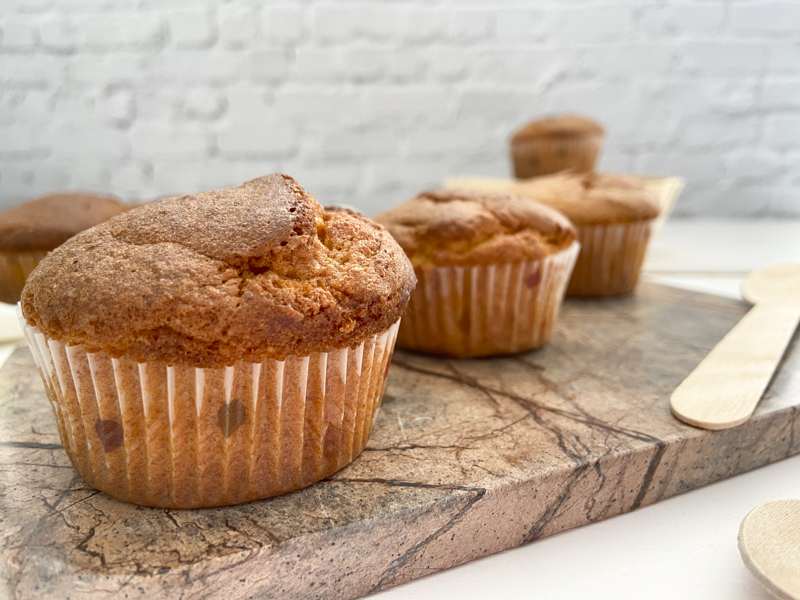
column 769, row 540
column 725, row 388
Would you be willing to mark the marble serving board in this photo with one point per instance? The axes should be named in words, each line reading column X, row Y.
column 468, row 457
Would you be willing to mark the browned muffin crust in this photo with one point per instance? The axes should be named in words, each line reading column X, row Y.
column 463, row 227
column 592, row 198
column 565, row 126
column 48, row 222
column 261, row 270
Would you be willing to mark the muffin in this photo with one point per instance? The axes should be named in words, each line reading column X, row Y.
column 492, row 270
column 666, row 190
column 614, row 216
column 217, row 348
column 30, row 230
column 554, row 144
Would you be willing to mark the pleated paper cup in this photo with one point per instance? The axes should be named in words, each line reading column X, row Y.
column 14, row 270
column 186, row 437
column 611, row 258
column 488, row 309
column 535, row 157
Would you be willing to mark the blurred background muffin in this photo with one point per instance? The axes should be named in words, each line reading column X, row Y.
column 30, row 230
column 613, row 214
column 554, row 144
column 491, row 268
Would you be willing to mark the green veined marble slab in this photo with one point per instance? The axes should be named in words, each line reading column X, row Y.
column 467, row 458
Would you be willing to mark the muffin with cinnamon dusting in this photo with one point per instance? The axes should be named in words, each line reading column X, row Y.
column 217, row 348
column 30, row 230
column 613, row 214
column 554, row 144
column 492, row 269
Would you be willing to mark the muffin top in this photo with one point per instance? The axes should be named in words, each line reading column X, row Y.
column 565, row 126
column 464, row 227
column 247, row 273
column 48, row 222
column 592, row 198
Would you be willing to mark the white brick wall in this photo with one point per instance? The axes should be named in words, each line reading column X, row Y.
column 369, row 102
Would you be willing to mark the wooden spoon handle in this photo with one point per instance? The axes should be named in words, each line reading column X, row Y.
column 725, row 388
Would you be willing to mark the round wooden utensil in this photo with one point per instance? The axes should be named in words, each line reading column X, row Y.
column 725, row 388
column 769, row 540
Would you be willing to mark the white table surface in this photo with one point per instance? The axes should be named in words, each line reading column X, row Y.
column 683, row 547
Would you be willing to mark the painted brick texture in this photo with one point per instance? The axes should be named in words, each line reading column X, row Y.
column 367, row 103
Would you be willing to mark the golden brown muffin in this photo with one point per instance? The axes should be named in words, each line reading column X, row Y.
column 461, row 227
column 238, row 341
column 30, row 230
column 561, row 127
column 592, row 198
column 245, row 273
column 554, row 144
column 492, row 269
column 613, row 215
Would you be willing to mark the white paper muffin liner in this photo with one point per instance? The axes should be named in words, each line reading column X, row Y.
column 611, row 258
column 535, row 157
column 14, row 270
column 489, row 309
column 185, row 437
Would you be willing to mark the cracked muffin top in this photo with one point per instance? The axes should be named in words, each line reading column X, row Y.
column 592, row 198
column 565, row 126
column 48, row 222
column 246, row 273
column 465, row 227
